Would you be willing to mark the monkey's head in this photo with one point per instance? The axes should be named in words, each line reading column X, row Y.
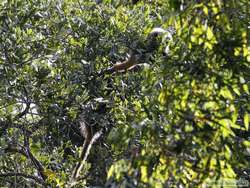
column 156, row 37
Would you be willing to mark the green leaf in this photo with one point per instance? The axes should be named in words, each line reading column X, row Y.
column 211, row 105
column 144, row 174
column 50, row 175
column 246, row 121
column 225, row 127
column 246, row 143
column 228, row 152
column 237, row 51
column 245, row 88
column 226, row 93
column 235, row 116
column 210, row 34
column 162, row 97
column 236, row 89
column 111, row 171
column 205, row 10
column 208, row 45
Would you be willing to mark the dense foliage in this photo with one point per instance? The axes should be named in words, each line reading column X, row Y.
column 182, row 121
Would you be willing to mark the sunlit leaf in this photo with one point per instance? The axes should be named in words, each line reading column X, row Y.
column 237, row 51
column 205, row 10
column 208, row 45
column 226, row 93
column 110, row 171
column 144, row 174
column 50, row 174
column 210, row 34
column 211, row 105
column 246, row 121
column 245, row 88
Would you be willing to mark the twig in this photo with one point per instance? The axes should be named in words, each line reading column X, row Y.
column 26, row 110
column 27, row 176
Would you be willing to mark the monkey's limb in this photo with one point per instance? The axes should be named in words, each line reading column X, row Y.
column 123, row 66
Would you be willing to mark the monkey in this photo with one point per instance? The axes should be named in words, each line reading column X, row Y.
column 155, row 37
column 133, row 60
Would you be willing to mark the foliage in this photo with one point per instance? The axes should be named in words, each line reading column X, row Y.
column 184, row 121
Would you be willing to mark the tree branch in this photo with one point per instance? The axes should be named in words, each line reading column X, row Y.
column 85, row 152
column 15, row 149
column 26, row 110
column 33, row 159
column 26, row 176
column 25, row 149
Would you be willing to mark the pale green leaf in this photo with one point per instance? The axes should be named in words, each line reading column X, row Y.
column 205, row 10
column 211, row 105
column 226, row 93
column 246, row 121
column 210, row 34
column 144, row 174
column 245, row 88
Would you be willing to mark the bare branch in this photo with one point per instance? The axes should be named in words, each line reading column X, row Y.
column 80, row 164
column 33, row 159
column 15, row 149
column 25, row 149
column 26, row 176
column 26, row 110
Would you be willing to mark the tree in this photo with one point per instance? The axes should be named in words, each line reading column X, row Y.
column 192, row 113
column 182, row 121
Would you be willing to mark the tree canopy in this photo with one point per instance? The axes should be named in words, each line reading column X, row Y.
column 180, row 120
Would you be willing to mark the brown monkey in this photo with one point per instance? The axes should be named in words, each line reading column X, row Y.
column 153, row 44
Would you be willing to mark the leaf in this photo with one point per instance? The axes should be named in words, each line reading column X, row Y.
column 193, row 38
column 211, row 105
column 144, row 174
column 235, row 116
column 198, row 31
column 226, row 127
column 246, row 143
column 246, row 121
column 215, row 10
column 162, row 98
column 111, row 171
column 237, row 51
column 225, row 92
column 228, row 152
column 248, row 58
column 50, row 174
column 208, row 45
column 213, row 163
column 210, row 34
column 236, row 89
column 205, row 10
column 245, row 51
column 245, row 88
